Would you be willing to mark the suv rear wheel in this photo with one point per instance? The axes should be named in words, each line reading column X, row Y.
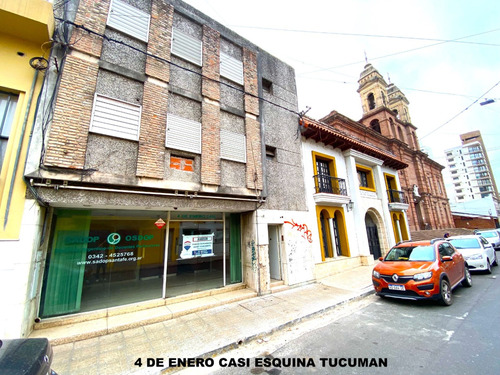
column 467, row 281
column 445, row 296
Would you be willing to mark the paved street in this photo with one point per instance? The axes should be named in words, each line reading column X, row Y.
column 413, row 338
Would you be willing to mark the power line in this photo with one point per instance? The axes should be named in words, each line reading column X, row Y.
column 82, row 27
column 401, row 87
column 437, row 92
column 405, row 51
column 462, row 111
column 374, row 35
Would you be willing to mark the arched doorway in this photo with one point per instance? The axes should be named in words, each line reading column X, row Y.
column 373, row 237
column 333, row 232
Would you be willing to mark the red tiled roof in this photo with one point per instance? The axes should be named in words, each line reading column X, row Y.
column 330, row 136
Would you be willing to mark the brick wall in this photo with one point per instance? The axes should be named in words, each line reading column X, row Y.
column 210, row 128
column 473, row 223
column 151, row 151
column 151, row 155
column 250, row 82
column 210, row 148
column 67, row 142
column 252, row 125
column 211, row 63
column 93, row 15
column 159, row 40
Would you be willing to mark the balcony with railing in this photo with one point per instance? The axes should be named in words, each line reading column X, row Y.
column 397, row 200
column 330, row 190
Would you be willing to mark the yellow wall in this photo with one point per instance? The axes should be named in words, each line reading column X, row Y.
column 331, row 212
column 31, row 20
column 16, row 76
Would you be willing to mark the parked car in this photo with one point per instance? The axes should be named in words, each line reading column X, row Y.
column 421, row 270
column 493, row 237
column 26, row 357
column 477, row 251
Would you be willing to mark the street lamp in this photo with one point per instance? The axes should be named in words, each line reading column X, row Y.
column 487, row 101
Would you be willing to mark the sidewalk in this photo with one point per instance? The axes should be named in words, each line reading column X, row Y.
column 210, row 331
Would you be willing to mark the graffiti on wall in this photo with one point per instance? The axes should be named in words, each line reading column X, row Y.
column 299, row 251
column 254, row 255
column 303, row 229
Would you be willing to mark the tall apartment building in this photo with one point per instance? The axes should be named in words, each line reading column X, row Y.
column 470, row 169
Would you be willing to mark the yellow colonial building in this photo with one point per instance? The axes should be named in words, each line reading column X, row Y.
column 26, row 27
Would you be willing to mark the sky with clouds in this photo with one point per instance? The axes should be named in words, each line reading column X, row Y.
column 444, row 55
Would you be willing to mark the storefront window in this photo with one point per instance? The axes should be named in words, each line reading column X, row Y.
column 196, row 253
column 99, row 258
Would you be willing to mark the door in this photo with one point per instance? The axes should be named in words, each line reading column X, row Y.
column 336, row 236
column 324, row 234
column 373, row 240
column 450, row 267
column 324, row 177
column 274, row 252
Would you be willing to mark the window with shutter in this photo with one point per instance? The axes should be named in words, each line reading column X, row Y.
column 128, row 19
column 231, row 68
column 115, row 118
column 183, row 134
column 233, row 146
column 186, row 47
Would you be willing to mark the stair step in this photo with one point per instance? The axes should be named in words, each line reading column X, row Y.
column 66, row 330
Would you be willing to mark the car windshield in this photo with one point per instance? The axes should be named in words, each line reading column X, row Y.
column 412, row 253
column 465, row 243
column 487, row 234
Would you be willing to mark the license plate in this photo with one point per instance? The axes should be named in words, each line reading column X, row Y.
column 397, row 287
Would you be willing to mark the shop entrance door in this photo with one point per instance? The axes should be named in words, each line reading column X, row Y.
column 274, row 252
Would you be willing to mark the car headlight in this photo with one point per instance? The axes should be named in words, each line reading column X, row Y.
column 422, row 276
column 475, row 256
column 376, row 274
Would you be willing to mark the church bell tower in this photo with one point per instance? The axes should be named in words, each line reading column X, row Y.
column 372, row 89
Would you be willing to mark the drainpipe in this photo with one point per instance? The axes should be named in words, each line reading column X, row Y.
column 37, row 63
column 259, row 289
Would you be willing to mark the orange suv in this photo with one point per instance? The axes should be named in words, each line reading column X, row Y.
column 421, row 270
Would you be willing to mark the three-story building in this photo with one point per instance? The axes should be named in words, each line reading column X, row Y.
column 159, row 160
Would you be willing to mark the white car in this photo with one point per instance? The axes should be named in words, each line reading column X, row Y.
column 477, row 251
column 493, row 237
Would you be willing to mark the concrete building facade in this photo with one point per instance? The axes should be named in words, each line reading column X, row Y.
column 356, row 206
column 159, row 158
